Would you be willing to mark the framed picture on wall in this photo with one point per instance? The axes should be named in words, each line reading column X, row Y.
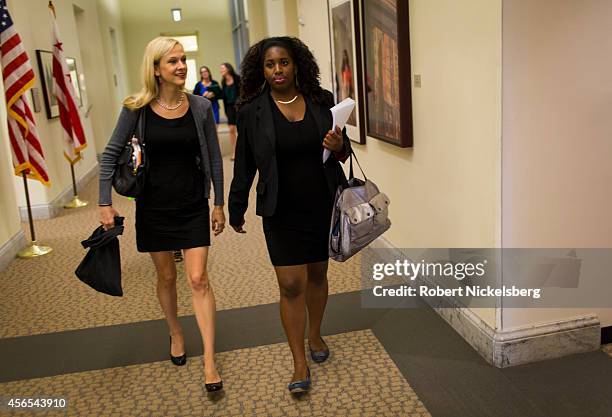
column 346, row 61
column 387, row 77
column 45, row 69
column 74, row 78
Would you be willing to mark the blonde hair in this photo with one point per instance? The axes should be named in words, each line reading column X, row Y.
column 153, row 53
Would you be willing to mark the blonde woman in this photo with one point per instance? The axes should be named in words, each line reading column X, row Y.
column 183, row 158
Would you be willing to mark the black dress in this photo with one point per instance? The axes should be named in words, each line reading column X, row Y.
column 230, row 96
column 173, row 211
column 298, row 231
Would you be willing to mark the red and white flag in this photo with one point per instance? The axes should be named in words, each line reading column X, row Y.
column 18, row 77
column 74, row 137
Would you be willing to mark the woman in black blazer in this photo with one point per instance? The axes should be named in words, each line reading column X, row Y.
column 284, row 126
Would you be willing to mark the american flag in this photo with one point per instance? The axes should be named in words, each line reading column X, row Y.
column 74, row 137
column 18, row 77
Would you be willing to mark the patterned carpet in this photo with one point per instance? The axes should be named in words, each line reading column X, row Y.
column 43, row 295
column 359, row 379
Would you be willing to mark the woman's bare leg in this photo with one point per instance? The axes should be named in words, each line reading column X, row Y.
column 316, row 300
column 292, row 282
column 203, row 307
column 166, row 294
column 233, row 139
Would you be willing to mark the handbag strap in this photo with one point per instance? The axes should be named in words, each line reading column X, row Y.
column 135, row 131
column 351, row 175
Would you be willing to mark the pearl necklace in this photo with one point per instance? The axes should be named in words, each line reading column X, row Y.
column 288, row 102
column 165, row 106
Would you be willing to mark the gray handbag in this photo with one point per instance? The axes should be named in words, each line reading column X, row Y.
column 359, row 216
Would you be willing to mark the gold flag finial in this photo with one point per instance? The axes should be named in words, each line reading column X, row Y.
column 52, row 7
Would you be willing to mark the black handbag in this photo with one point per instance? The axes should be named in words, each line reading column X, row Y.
column 101, row 267
column 129, row 176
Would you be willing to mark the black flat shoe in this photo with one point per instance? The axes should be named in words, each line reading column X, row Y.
column 297, row 387
column 177, row 360
column 215, row 386
column 319, row 356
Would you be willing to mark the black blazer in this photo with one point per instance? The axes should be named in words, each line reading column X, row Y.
column 256, row 151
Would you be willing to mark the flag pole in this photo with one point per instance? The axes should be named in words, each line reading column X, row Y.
column 28, row 157
column 76, row 202
column 33, row 249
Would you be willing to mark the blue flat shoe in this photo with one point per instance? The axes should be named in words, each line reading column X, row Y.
column 319, row 356
column 300, row 386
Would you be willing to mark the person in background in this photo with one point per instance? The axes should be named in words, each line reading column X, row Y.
column 209, row 88
column 284, row 125
column 230, row 90
column 178, row 256
column 183, row 157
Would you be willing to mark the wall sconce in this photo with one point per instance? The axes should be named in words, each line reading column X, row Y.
column 176, row 15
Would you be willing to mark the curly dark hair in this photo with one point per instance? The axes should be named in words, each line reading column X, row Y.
column 252, row 73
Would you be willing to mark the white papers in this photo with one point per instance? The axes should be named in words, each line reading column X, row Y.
column 342, row 111
column 340, row 114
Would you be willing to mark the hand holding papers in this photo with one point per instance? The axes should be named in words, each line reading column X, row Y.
column 340, row 114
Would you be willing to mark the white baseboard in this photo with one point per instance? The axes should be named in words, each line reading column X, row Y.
column 55, row 207
column 546, row 341
column 9, row 250
column 510, row 347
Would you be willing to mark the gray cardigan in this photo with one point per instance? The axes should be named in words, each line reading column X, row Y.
column 209, row 147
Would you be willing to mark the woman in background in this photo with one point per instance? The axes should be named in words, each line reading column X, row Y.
column 231, row 89
column 183, row 158
column 209, row 88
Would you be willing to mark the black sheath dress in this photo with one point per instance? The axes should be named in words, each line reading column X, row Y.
column 298, row 231
column 173, row 211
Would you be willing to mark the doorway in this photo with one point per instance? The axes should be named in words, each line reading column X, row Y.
column 118, row 82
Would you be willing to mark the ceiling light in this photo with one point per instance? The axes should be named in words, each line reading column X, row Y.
column 176, row 15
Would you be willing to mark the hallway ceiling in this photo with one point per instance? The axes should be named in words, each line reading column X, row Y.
column 159, row 10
